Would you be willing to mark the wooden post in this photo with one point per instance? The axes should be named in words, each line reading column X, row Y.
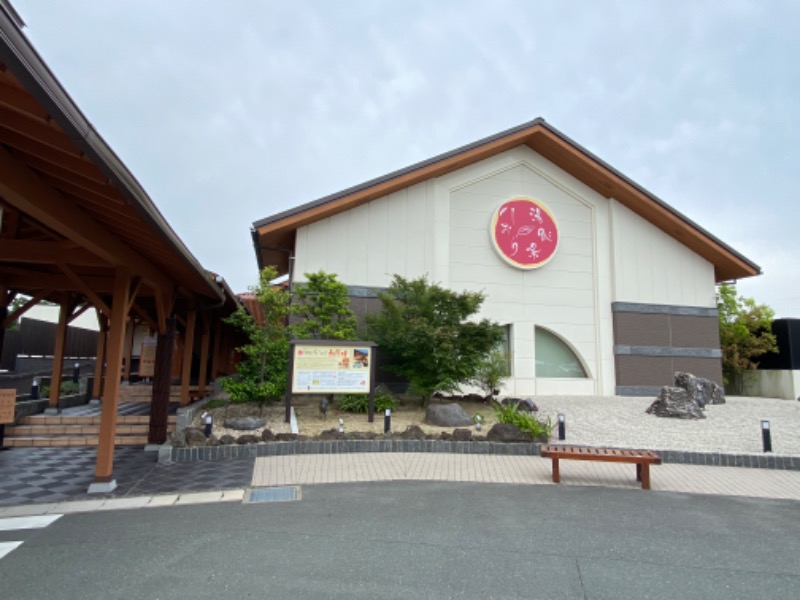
column 103, row 475
column 129, row 348
column 186, row 371
column 215, row 356
column 100, row 355
column 202, row 376
column 162, row 376
column 58, row 353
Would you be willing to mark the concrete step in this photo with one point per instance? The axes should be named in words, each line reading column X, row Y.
column 89, row 420
column 76, row 430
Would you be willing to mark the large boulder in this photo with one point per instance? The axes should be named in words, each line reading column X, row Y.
column 247, row 438
column 676, row 403
column 704, row 391
column 447, row 415
column 178, row 439
column 507, row 432
column 244, row 423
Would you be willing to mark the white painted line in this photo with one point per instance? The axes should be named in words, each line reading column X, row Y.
column 33, row 522
column 6, row 547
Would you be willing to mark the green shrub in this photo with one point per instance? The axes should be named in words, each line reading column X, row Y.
column 526, row 422
column 68, row 388
column 359, row 403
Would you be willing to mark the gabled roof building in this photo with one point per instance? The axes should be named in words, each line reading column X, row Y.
column 603, row 287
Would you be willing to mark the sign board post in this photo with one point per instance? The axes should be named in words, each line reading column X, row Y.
column 8, row 399
column 331, row 367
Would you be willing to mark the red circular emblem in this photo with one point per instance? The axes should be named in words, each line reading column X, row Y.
column 524, row 233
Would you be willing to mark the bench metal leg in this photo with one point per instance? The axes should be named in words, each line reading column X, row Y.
column 556, row 473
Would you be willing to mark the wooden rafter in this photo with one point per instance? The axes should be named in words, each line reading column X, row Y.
column 87, row 290
column 16, row 314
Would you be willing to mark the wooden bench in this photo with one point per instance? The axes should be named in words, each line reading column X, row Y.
column 642, row 458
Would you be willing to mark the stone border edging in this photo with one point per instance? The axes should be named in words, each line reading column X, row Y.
column 168, row 454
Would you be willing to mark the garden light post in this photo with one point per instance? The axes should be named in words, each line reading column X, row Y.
column 76, row 372
column 387, row 420
column 766, row 436
column 562, row 426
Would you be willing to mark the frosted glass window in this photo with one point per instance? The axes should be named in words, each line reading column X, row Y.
column 554, row 358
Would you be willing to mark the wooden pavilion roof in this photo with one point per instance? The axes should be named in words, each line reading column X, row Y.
column 72, row 213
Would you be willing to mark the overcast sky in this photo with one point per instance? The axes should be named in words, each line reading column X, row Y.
column 228, row 112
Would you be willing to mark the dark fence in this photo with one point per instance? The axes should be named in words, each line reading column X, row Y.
column 38, row 338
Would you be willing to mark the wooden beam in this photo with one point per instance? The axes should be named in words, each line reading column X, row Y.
column 38, row 252
column 22, row 188
column 85, row 289
column 38, row 297
column 136, row 285
column 116, row 340
column 78, row 312
column 144, row 316
column 26, row 281
column 186, row 371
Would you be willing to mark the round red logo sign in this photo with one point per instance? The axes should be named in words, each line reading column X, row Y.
column 524, row 233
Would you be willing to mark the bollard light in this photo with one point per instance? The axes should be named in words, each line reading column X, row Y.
column 76, row 372
column 562, row 426
column 387, row 420
column 208, row 423
column 478, row 422
column 35, row 389
column 766, row 436
column 341, row 425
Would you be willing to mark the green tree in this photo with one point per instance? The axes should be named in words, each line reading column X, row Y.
column 323, row 306
column 425, row 334
column 745, row 333
column 262, row 373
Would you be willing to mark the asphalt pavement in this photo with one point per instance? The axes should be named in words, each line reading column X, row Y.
column 412, row 539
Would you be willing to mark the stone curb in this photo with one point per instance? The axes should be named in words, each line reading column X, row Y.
column 169, row 454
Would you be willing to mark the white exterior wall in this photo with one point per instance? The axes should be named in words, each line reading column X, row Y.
column 440, row 228
column 651, row 267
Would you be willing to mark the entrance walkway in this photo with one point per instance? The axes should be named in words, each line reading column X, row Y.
column 306, row 469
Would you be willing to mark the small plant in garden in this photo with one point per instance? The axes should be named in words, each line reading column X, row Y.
column 359, row 403
column 492, row 372
column 68, row 388
column 510, row 413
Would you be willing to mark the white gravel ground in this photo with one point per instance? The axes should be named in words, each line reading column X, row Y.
column 621, row 422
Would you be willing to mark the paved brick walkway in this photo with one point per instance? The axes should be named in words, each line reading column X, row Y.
column 305, row 469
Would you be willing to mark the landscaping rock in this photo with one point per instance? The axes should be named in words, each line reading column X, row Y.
column 507, row 432
column 177, row 439
column 195, row 437
column 213, row 441
column 675, row 403
column 227, row 440
column 247, row 438
column 447, row 415
column 244, row 423
column 523, row 404
column 412, row 432
column 267, row 436
column 703, row 391
column 462, row 435
column 331, row 434
column 287, row 437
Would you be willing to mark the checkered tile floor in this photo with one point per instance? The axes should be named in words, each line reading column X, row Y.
column 33, row 475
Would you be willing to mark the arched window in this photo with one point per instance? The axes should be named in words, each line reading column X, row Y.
column 554, row 358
